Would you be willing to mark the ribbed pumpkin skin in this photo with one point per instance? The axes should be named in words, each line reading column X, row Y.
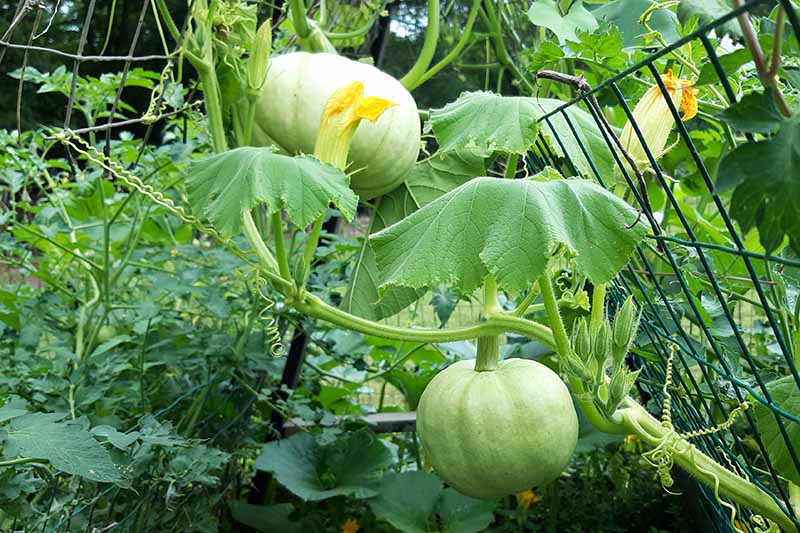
column 493, row 433
column 289, row 113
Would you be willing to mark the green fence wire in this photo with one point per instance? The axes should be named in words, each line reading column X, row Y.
column 664, row 324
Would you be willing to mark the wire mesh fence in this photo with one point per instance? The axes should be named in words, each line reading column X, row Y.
column 704, row 379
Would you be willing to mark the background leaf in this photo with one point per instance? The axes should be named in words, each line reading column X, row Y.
column 65, row 445
column 548, row 14
column 350, row 466
column 766, row 175
column 465, row 234
column 416, row 502
column 222, row 186
column 784, row 395
column 755, row 113
column 625, row 15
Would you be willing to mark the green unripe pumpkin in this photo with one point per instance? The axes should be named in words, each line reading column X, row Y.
column 497, row 432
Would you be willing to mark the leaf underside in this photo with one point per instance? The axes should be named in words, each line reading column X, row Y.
column 508, row 228
column 427, row 181
column 221, row 186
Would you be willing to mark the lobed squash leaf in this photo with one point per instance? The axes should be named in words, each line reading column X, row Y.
column 508, row 228
column 483, row 123
column 221, row 186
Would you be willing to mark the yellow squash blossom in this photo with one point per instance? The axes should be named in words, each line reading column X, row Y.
column 655, row 120
column 350, row 526
column 343, row 111
column 527, row 498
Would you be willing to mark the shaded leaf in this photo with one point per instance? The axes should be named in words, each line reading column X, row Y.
column 349, row 466
column 417, row 502
column 221, row 186
column 556, row 129
column 270, row 518
column 428, row 180
column 708, row 11
column 755, row 113
column 730, row 64
column 625, row 15
column 508, row 228
column 784, row 394
column 766, row 175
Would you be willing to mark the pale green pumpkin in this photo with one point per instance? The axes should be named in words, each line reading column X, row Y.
column 497, row 432
column 289, row 113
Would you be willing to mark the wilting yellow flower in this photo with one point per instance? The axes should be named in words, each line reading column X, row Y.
column 630, row 439
column 655, row 120
column 350, row 526
column 527, row 498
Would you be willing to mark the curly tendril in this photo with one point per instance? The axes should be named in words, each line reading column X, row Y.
column 273, row 334
column 672, row 442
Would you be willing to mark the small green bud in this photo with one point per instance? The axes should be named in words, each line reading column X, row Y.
column 581, row 341
column 626, row 322
column 259, row 60
column 601, row 345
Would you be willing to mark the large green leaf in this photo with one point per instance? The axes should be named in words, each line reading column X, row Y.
column 766, row 175
column 221, row 186
column 417, row 502
column 508, row 228
column 483, row 123
column 350, row 466
column 64, row 444
column 556, row 128
column 785, row 395
column 547, row 13
column 428, row 180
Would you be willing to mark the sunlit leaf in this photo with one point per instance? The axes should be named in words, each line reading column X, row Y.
column 508, row 228
column 221, row 186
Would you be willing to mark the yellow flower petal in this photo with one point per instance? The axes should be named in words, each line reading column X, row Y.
column 373, row 107
column 527, row 498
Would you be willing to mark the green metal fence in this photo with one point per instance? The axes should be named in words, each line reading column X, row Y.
column 706, row 399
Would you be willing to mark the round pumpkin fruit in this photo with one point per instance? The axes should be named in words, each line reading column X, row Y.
column 289, row 113
column 497, row 432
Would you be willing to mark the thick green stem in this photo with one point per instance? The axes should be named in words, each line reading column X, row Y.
column 650, row 430
column 511, row 166
column 298, row 13
column 551, row 308
column 563, row 348
column 488, row 353
column 493, row 325
column 412, row 77
column 208, row 77
column 308, row 252
column 462, row 42
column 598, row 307
column 255, row 240
column 280, row 246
